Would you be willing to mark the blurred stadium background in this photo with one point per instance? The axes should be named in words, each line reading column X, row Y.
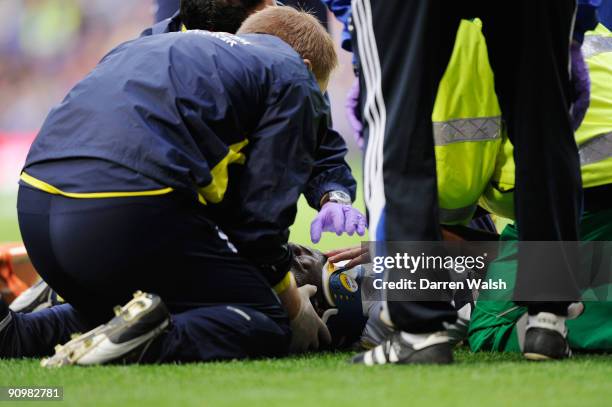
column 47, row 46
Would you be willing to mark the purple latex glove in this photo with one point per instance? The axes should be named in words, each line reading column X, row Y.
column 581, row 83
column 339, row 218
column 353, row 114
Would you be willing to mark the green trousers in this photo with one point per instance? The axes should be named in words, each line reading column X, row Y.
column 496, row 325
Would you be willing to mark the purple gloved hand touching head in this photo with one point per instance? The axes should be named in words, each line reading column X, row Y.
column 581, row 85
column 338, row 218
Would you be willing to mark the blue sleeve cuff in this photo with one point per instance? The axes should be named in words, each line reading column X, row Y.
column 315, row 192
column 586, row 20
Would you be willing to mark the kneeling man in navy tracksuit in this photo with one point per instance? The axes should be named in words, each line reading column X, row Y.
column 174, row 168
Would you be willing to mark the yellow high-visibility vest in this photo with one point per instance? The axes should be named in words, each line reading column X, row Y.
column 594, row 137
column 467, row 126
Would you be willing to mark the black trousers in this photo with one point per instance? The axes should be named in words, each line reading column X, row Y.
column 404, row 47
column 96, row 252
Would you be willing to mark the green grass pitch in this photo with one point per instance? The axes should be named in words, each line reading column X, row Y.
column 483, row 379
column 327, row 380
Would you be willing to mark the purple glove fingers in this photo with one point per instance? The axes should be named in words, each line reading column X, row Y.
column 337, row 214
column 351, row 220
column 338, row 218
column 362, row 225
column 581, row 84
column 352, row 108
column 316, row 228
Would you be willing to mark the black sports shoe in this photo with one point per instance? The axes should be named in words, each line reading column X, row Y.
column 134, row 327
column 546, row 338
column 35, row 298
column 434, row 349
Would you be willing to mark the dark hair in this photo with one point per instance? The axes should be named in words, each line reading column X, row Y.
column 216, row 15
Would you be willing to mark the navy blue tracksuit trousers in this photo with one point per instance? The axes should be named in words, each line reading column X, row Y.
column 96, row 252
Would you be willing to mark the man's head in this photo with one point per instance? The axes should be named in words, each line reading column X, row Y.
column 306, row 267
column 219, row 15
column 302, row 32
column 345, row 316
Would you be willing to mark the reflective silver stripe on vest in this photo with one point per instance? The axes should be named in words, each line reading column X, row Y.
column 596, row 149
column 458, row 130
column 457, row 215
column 595, row 45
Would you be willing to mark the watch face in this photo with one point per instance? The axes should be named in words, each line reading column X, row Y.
column 340, row 197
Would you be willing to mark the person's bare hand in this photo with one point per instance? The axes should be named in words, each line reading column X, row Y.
column 356, row 255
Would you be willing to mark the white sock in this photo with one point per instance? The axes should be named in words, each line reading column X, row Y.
column 384, row 315
column 415, row 339
column 547, row 320
column 465, row 312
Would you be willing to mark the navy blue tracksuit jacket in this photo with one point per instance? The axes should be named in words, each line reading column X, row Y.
column 331, row 172
column 237, row 122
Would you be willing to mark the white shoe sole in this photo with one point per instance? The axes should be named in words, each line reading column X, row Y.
column 536, row 356
column 94, row 347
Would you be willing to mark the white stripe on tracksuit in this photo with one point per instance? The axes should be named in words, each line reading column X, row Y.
column 375, row 113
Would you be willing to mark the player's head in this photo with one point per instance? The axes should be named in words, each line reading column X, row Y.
column 303, row 32
column 338, row 299
column 219, row 15
column 306, row 267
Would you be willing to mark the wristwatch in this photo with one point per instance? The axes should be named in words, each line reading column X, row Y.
column 340, row 197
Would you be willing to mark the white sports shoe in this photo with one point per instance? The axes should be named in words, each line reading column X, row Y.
column 35, row 298
column 124, row 338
